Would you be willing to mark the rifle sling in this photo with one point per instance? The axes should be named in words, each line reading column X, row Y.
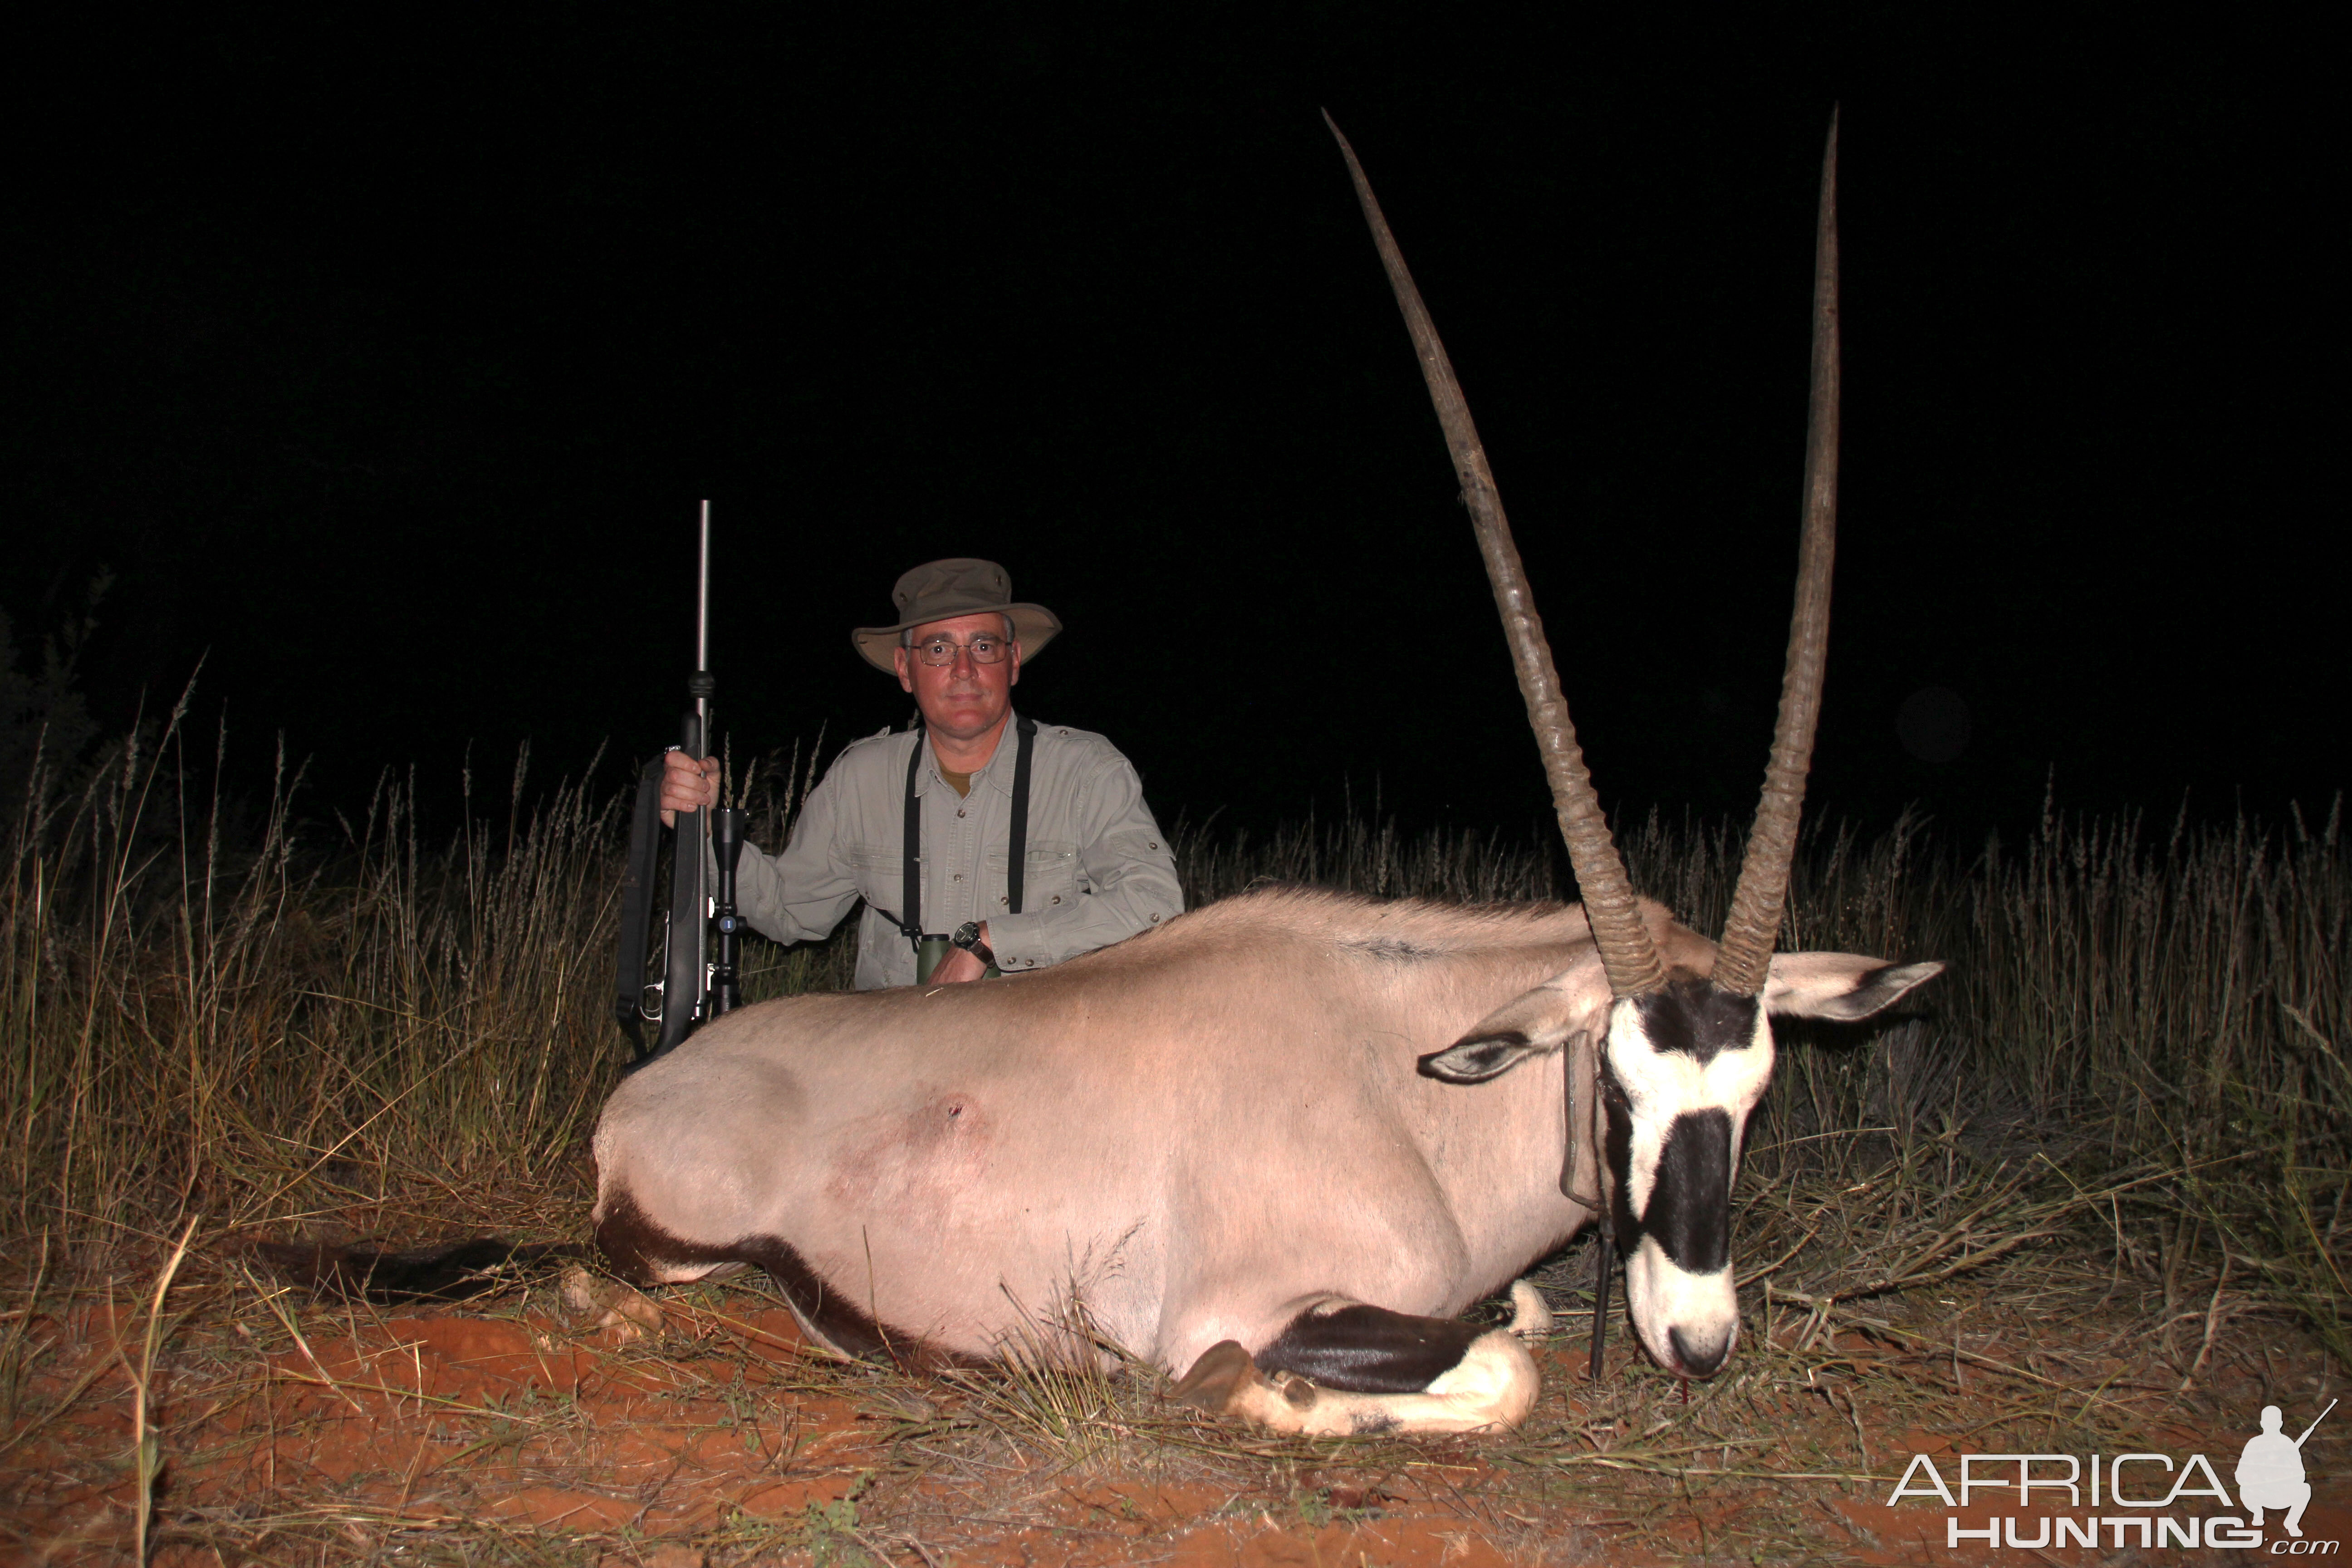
column 637, row 905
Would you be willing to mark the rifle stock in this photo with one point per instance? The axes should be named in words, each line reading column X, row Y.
column 691, row 989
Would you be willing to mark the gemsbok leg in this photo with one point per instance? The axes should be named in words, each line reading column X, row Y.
column 1344, row 1369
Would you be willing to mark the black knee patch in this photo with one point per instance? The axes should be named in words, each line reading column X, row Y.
column 1370, row 1350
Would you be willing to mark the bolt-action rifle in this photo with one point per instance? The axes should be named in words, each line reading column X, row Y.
column 696, row 984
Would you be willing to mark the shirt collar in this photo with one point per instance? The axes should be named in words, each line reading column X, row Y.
column 997, row 774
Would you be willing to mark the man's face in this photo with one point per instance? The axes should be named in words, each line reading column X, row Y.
column 962, row 699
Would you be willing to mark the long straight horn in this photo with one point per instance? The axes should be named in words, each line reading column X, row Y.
column 1754, row 922
column 1626, row 949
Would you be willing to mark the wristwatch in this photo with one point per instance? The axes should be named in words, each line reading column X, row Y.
column 967, row 937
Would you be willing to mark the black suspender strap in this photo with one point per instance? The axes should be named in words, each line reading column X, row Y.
column 1016, row 856
column 910, row 902
column 1016, row 859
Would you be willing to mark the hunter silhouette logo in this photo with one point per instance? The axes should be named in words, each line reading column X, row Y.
column 2155, row 1501
column 2270, row 1472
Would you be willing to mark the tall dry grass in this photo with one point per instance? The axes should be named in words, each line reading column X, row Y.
column 331, row 1011
column 318, row 1011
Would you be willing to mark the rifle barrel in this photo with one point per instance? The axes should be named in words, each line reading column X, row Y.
column 702, row 616
column 2315, row 1424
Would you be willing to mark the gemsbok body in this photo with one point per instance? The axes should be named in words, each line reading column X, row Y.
column 1276, row 1145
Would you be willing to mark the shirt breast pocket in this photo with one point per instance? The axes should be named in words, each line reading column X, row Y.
column 879, row 872
column 1049, row 880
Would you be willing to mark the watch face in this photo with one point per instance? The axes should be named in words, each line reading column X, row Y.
column 966, row 934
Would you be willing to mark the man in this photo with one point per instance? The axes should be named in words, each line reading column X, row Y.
column 2270, row 1472
column 1094, row 866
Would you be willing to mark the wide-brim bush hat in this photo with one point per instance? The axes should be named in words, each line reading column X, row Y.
column 942, row 590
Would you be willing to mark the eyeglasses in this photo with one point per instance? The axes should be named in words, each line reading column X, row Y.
column 984, row 649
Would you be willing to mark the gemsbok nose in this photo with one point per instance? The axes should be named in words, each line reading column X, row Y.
column 1700, row 1357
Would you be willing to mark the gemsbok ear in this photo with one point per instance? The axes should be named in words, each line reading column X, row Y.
column 1843, row 987
column 1537, row 1024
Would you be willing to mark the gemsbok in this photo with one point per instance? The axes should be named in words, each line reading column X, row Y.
column 1278, row 1144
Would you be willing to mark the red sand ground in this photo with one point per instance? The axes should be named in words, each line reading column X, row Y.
column 388, row 1420
column 455, row 1437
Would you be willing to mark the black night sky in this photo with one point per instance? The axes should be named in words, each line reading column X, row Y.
column 383, row 363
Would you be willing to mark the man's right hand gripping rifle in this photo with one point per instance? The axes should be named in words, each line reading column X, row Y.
column 687, row 785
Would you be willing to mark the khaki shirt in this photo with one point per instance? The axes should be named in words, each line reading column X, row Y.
column 1098, row 867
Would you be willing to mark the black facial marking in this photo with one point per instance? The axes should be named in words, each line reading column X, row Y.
column 1368, row 1350
column 1617, row 1146
column 1690, row 1204
column 1694, row 1019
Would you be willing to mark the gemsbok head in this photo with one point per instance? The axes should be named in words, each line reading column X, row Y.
column 1681, row 1043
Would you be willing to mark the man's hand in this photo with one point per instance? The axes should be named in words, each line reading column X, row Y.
column 959, row 964
column 689, row 786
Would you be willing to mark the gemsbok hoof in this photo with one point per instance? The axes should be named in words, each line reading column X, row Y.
column 1219, row 1379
